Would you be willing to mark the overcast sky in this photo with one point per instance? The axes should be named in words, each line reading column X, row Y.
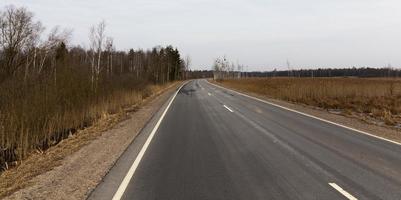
column 262, row 34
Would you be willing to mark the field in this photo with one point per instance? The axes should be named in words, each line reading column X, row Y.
column 376, row 100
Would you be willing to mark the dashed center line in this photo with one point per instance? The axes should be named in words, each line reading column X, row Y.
column 228, row 108
column 342, row 191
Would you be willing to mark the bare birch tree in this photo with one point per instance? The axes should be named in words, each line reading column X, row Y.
column 54, row 39
column 96, row 37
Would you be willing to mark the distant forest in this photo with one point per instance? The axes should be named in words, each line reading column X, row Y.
column 364, row 72
column 330, row 72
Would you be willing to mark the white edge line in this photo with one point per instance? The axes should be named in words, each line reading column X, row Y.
column 342, row 191
column 311, row 116
column 123, row 186
column 228, row 108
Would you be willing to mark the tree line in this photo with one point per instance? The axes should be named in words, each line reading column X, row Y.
column 363, row 72
column 49, row 88
column 223, row 69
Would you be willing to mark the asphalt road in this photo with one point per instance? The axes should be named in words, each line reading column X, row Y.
column 216, row 144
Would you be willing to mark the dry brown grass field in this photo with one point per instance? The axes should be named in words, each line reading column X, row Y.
column 376, row 99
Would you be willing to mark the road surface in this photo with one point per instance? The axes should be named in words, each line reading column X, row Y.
column 214, row 143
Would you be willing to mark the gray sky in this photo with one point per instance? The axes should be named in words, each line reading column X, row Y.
column 262, row 34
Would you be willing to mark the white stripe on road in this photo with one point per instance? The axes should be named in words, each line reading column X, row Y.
column 209, row 94
column 123, row 186
column 342, row 191
column 228, row 108
column 308, row 115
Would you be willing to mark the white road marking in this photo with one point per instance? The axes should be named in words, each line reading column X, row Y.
column 342, row 191
column 228, row 108
column 209, row 94
column 311, row 116
column 123, row 186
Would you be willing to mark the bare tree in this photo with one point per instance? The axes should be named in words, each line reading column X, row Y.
column 187, row 65
column 18, row 34
column 187, row 62
column 54, row 39
column 96, row 37
column 109, row 47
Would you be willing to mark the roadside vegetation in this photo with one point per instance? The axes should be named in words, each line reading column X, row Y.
column 49, row 88
column 376, row 100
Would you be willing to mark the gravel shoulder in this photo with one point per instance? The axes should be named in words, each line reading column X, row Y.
column 73, row 168
column 350, row 121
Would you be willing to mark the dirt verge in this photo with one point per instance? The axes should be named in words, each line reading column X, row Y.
column 71, row 169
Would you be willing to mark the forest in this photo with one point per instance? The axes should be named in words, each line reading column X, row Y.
column 49, row 88
column 223, row 68
column 362, row 72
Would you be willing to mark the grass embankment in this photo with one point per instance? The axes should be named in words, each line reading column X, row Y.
column 377, row 99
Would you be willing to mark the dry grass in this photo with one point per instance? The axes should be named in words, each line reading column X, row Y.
column 375, row 98
column 39, row 113
column 39, row 162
